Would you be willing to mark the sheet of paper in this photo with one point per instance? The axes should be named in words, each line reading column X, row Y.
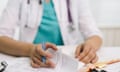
column 63, row 63
column 113, row 67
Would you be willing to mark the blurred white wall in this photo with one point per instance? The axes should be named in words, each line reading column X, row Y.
column 2, row 5
column 106, row 12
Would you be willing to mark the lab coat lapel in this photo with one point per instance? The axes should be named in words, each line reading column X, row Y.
column 34, row 14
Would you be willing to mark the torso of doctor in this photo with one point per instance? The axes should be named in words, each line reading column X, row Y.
column 27, row 17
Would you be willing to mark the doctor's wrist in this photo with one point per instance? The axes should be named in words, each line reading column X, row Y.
column 31, row 49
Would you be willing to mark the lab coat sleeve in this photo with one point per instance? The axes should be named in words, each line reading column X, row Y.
column 86, row 22
column 9, row 18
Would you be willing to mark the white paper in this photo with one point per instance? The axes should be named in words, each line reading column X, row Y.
column 63, row 63
column 113, row 67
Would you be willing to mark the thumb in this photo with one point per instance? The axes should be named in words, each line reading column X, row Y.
column 78, row 50
column 41, row 52
column 52, row 46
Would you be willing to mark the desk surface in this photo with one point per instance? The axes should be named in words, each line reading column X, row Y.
column 105, row 53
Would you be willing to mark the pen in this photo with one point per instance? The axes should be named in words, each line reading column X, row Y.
column 44, row 48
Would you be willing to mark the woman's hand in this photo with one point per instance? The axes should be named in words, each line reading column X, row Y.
column 36, row 54
column 86, row 52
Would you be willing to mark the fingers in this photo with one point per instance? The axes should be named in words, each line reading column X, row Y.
column 95, row 59
column 89, row 57
column 78, row 50
column 38, row 53
column 50, row 63
column 41, row 52
column 86, row 53
column 52, row 46
column 82, row 51
column 36, row 63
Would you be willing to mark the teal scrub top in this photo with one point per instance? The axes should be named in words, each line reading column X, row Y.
column 49, row 30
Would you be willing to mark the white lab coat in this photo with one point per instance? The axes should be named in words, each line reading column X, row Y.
column 28, row 18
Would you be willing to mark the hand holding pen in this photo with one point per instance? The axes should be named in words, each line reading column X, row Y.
column 41, row 58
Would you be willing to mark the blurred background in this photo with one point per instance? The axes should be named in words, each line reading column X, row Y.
column 107, row 16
